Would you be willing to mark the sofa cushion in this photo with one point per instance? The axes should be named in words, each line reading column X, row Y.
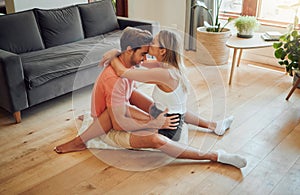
column 59, row 26
column 19, row 33
column 43, row 66
column 98, row 18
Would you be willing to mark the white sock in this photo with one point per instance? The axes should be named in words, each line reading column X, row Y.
column 231, row 159
column 223, row 125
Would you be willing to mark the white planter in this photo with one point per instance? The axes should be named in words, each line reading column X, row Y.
column 245, row 34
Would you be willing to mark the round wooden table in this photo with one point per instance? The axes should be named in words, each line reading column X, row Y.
column 244, row 43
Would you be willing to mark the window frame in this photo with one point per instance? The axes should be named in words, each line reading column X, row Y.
column 251, row 8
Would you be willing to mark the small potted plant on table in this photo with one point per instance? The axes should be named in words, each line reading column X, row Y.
column 246, row 25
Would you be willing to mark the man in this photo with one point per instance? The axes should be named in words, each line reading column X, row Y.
column 110, row 91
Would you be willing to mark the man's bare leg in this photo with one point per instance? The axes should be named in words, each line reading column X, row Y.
column 179, row 150
column 141, row 101
column 100, row 126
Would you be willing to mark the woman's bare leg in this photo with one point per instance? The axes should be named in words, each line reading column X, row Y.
column 100, row 126
column 218, row 127
column 194, row 119
column 179, row 150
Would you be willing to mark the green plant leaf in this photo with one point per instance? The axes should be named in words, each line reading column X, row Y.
column 285, row 62
column 278, row 53
column 277, row 45
column 294, row 34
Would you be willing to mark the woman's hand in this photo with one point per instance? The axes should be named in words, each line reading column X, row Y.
column 164, row 122
column 117, row 65
column 108, row 56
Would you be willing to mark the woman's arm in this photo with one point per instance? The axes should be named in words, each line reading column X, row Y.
column 108, row 56
column 159, row 76
column 151, row 64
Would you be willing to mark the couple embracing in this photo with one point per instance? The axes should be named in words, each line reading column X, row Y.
column 132, row 120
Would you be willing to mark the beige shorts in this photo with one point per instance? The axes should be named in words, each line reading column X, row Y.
column 117, row 138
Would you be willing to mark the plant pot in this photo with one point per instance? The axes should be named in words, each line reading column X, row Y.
column 245, row 34
column 211, row 47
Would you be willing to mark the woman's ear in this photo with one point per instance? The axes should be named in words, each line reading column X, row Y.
column 162, row 51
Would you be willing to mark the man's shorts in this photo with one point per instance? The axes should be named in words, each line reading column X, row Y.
column 117, row 138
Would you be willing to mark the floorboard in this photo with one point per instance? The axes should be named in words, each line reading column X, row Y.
column 266, row 130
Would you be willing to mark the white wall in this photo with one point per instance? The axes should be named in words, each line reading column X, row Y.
column 169, row 13
column 21, row 5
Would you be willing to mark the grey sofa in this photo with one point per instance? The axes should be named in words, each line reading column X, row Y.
column 48, row 53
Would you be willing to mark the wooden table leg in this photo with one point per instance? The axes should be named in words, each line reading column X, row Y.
column 240, row 56
column 293, row 89
column 232, row 65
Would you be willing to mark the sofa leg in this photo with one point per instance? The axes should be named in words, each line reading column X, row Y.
column 17, row 116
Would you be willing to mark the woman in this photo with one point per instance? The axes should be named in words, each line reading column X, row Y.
column 170, row 91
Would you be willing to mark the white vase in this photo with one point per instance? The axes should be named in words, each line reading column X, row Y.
column 245, row 33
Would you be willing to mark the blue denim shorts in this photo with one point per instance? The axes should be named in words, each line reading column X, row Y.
column 173, row 134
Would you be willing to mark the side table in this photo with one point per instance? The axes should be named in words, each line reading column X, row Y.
column 244, row 43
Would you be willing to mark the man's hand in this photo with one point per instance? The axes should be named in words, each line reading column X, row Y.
column 164, row 122
column 108, row 56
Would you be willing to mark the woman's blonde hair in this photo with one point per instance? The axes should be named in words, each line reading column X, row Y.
column 170, row 41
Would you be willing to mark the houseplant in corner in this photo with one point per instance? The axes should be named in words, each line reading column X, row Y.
column 212, row 37
column 287, row 50
column 246, row 25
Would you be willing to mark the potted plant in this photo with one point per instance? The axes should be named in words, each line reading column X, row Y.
column 287, row 50
column 212, row 37
column 215, row 25
column 246, row 25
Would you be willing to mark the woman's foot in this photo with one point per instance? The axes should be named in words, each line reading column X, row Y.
column 220, row 127
column 74, row 145
column 231, row 159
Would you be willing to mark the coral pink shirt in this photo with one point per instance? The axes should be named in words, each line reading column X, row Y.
column 110, row 90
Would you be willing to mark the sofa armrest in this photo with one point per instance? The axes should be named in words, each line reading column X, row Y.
column 13, row 93
column 151, row 26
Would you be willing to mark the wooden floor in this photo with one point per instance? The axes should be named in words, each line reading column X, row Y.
column 266, row 130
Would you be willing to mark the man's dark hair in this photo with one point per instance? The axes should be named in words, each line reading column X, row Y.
column 135, row 38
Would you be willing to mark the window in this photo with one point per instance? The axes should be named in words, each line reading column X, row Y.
column 279, row 12
column 231, row 6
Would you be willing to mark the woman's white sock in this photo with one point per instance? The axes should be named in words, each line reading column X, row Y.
column 231, row 159
column 223, row 125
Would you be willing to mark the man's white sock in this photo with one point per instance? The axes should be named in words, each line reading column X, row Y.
column 223, row 125
column 231, row 159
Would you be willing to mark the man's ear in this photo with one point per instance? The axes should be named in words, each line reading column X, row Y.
column 128, row 48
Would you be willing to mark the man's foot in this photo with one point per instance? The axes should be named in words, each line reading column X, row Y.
column 231, row 159
column 223, row 125
column 74, row 145
column 81, row 117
